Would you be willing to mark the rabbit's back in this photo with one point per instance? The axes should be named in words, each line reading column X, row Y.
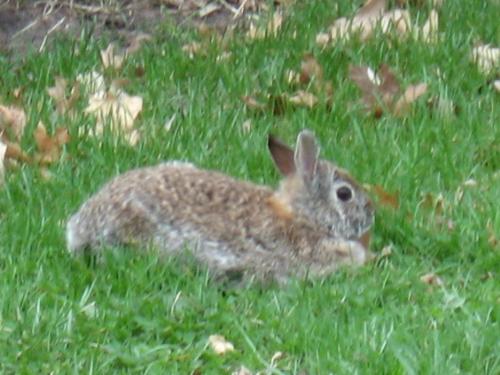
column 173, row 205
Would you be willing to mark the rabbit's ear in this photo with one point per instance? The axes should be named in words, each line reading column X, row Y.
column 282, row 156
column 306, row 155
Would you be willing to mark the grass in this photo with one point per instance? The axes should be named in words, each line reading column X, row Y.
column 136, row 313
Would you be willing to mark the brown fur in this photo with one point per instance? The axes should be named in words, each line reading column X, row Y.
column 231, row 224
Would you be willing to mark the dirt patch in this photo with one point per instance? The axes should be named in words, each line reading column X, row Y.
column 32, row 25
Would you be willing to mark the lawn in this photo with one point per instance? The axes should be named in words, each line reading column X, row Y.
column 429, row 304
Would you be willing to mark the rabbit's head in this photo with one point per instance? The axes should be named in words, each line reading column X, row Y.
column 319, row 190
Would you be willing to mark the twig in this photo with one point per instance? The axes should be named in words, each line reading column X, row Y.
column 51, row 30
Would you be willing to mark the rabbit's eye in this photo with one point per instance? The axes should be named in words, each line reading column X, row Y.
column 344, row 194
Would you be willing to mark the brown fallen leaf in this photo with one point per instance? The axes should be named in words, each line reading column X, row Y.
column 435, row 203
column 385, row 198
column 12, row 123
column 15, row 152
column 112, row 59
column 135, row 43
column 310, row 70
column 411, row 94
column 493, row 238
column 431, row 279
column 49, row 147
column 220, row 345
column 382, row 90
column 252, row 103
column 64, row 103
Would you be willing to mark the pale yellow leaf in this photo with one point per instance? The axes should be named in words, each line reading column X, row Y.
column 12, row 122
column 220, row 345
column 429, row 32
column 64, row 103
column 386, row 251
column 303, row 98
column 396, row 20
column 275, row 23
column 112, row 59
column 322, row 39
column 496, row 85
column 486, row 57
column 242, row 371
column 3, row 150
column 93, row 83
column 170, row 122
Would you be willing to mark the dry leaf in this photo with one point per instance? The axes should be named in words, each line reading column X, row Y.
column 247, row 126
column 169, row 122
column 322, row 39
column 49, row 148
column 276, row 357
column 192, row 49
column 486, row 57
column 493, row 238
column 382, row 89
column 58, row 93
column 136, row 42
column 303, row 98
column 3, row 150
column 396, row 20
column 242, row 371
column 435, row 203
column 386, row 251
column 429, row 32
column 431, row 279
column 111, row 59
column 272, row 28
column 220, row 345
column 93, row 83
column 15, row 152
column 385, row 198
column 310, row 69
column 412, row 93
column 252, row 103
column 370, row 17
column 208, row 9
column 12, row 123
column 275, row 23
column 119, row 110
column 372, row 8
column 496, row 85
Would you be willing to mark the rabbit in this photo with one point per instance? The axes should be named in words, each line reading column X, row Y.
column 317, row 220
